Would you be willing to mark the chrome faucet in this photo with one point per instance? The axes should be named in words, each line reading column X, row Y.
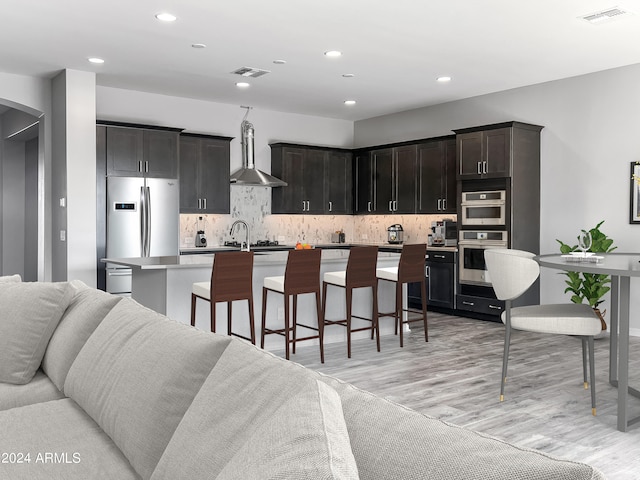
column 244, row 246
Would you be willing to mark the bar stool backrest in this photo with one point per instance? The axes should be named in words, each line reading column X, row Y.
column 232, row 276
column 361, row 267
column 302, row 273
column 412, row 263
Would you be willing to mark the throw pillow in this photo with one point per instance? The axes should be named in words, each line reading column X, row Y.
column 305, row 439
column 29, row 313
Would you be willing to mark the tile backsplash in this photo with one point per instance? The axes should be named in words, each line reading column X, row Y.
column 253, row 205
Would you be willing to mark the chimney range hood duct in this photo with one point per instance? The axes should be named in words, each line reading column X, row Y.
column 249, row 175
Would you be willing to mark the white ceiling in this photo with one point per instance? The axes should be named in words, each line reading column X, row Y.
column 395, row 48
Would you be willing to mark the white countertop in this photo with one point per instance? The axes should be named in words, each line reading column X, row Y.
column 206, row 260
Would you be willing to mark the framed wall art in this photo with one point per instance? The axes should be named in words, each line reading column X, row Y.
column 634, row 204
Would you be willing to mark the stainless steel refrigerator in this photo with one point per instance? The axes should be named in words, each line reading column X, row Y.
column 143, row 220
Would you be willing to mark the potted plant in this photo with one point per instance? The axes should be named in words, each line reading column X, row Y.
column 589, row 287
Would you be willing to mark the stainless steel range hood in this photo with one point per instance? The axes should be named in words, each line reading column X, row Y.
column 249, row 175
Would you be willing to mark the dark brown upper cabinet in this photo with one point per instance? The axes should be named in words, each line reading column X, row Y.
column 204, row 174
column 484, row 154
column 436, row 173
column 141, row 152
column 319, row 179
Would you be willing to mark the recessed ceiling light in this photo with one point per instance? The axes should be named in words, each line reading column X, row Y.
column 279, row 62
column 349, row 102
column 348, row 75
column 443, row 79
column 96, row 60
column 242, row 84
column 333, row 53
column 198, row 45
column 166, row 17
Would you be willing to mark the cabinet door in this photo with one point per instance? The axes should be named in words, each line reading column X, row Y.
column 470, row 155
column 365, row 190
column 124, row 152
column 289, row 198
column 213, row 175
column 337, row 180
column 440, row 286
column 497, row 145
column 160, row 154
column 384, row 179
column 313, row 180
column 189, row 159
column 404, row 197
column 429, row 174
column 449, row 183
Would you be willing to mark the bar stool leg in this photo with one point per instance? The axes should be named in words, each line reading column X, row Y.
column 229, row 318
column 252, row 325
column 374, row 316
column 399, row 310
column 193, row 310
column 295, row 320
column 264, row 316
column 212, row 308
column 286, row 325
column 320, row 314
column 349, row 297
column 424, row 310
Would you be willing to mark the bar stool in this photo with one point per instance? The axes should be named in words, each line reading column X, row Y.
column 409, row 270
column 231, row 279
column 360, row 273
column 301, row 276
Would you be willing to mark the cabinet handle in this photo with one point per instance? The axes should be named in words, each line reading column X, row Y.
column 330, row 206
column 428, row 273
column 495, row 307
column 395, row 205
column 146, row 166
column 479, row 168
column 439, row 256
column 468, row 303
column 204, row 202
column 304, row 206
column 391, row 205
column 439, row 204
column 444, row 204
column 308, row 206
column 484, row 167
column 369, row 206
column 140, row 166
column 199, row 204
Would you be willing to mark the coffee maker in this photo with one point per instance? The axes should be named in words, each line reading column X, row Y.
column 445, row 233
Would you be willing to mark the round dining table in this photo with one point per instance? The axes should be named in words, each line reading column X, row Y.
column 621, row 267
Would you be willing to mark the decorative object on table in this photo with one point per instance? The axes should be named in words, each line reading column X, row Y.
column 634, row 192
column 589, row 287
column 395, row 234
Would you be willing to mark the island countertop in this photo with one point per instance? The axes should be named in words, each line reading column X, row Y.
column 265, row 257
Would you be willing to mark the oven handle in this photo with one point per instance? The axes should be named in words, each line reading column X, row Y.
column 483, row 203
column 482, row 243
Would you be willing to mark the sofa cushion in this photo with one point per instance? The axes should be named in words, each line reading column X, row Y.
column 39, row 389
column 29, row 313
column 85, row 312
column 62, row 442
column 11, row 279
column 391, row 442
column 245, row 389
column 137, row 375
column 305, row 439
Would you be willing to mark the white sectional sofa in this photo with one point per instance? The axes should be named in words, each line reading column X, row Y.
column 97, row 387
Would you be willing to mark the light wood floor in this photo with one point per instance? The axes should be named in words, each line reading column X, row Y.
column 456, row 377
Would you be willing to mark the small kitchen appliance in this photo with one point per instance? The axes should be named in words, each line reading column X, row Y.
column 445, row 233
column 201, row 238
column 395, row 234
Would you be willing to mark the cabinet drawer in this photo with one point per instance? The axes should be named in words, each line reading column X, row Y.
column 488, row 306
column 441, row 257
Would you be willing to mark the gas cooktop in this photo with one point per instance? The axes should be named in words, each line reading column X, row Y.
column 259, row 243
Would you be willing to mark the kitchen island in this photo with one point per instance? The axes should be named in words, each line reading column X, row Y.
column 164, row 284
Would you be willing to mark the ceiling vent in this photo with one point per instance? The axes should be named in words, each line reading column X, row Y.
column 250, row 72
column 605, row 15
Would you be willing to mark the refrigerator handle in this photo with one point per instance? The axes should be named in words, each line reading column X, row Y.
column 147, row 221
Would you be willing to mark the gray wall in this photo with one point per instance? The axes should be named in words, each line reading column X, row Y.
column 590, row 137
column 13, row 169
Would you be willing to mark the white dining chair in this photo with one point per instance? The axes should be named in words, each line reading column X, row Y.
column 512, row 272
